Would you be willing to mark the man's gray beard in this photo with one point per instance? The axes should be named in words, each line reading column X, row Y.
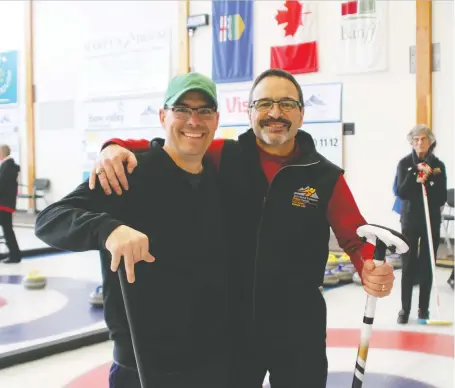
column 275, row 140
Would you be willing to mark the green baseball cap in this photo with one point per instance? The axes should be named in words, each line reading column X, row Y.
column 181, row 84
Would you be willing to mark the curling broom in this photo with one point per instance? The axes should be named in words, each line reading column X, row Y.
column 437, row 322
column 124, row 285
column 382, row 238
column 367, row 326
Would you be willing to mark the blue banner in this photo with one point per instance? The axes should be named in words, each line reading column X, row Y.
column 8, row 77
column 232, row 30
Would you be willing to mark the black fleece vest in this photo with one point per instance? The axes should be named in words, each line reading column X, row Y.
column 281, row 230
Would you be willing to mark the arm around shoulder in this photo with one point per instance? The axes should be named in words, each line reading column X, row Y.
column 81, row 221
column 130, row 144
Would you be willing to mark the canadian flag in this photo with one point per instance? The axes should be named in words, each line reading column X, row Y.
column 349, row 8
column 295, row 47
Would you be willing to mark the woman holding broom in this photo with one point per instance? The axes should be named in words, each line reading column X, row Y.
column 421, row 166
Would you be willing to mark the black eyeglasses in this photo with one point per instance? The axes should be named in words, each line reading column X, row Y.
column 185, row 112
column 265, row 104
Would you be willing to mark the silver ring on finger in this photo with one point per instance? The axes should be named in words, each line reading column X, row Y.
column 99, row 171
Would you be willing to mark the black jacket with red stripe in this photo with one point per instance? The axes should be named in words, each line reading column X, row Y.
column 9, row 172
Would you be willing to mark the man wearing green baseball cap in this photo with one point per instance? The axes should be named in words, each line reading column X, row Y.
column 182, row 84
column 169, row 328
column 188, row 94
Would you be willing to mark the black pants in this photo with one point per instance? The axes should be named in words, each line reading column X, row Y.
column 6, row 222
column 416, row 262
column 304, row 367
column 213, row 374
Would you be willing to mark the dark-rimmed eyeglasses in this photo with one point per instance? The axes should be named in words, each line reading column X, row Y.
column 285, row 105
column 185, row 112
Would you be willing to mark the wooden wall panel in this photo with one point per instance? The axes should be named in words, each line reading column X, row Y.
column 30, row 100
column 423, row 62
column 184, row 40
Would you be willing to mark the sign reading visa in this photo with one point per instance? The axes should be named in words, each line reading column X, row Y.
column 8, row 77
column 233, row 106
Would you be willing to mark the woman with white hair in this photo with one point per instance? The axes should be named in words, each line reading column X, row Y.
column 421, row 166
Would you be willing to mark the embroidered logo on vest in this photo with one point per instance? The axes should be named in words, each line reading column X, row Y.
column 305, row 196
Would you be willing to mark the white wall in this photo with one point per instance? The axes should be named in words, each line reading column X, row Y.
column 443, row 89
column 59, row 62
column 12, row 37
column 382, row 105
column 57, row 58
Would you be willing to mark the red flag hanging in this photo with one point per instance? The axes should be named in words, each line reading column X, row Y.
column 296, row 48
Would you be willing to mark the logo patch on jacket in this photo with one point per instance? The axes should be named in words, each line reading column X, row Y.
column 437, row 170
column 305, row 196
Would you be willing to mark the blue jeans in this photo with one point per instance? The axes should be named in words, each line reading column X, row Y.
column 213, row 374
column 121, row 377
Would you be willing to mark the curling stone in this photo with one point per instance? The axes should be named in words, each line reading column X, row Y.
column 332, row 261
column 96, row 297
column 344, row 272
column 356, row 278
column 344, row 259
column 330, row 279
column 34, row 281
column 395, row 260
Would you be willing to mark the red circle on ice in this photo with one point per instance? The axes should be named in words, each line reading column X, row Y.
column 427, row 343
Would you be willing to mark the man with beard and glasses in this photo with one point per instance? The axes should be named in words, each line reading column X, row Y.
column 280, row 198
column 173, row 327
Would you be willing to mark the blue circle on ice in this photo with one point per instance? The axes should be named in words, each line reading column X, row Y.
column 75, row 315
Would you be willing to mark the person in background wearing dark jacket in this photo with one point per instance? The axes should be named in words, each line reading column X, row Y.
column 413, row 222
column 281, row 197
column 172, row 214
column 9, row 173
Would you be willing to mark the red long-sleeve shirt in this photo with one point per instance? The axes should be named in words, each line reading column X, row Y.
column 343, row 214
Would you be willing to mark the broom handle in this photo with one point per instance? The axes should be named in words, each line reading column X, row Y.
column 135, row 341
column 365, row 334
column 430, row 245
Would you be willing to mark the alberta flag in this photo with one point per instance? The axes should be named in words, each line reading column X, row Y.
column 232, row 31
